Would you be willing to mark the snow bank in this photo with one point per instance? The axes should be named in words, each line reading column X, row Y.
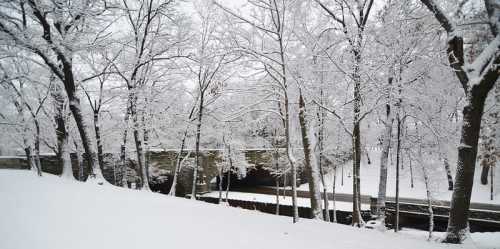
column 50, row 212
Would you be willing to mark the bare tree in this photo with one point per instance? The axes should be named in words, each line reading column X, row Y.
column 477, row 79
column 59, row 25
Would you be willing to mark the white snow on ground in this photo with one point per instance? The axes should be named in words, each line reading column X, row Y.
column 476, row 240
column 53, row 213
column 370, row 180
column 284, row 200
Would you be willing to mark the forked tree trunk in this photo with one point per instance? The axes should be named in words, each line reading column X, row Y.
column 178, row 165
column 76, row 110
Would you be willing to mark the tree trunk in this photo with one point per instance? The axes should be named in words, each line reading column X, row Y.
column 491, row 185
column 398, row 152
column 197, row 147
column 429, row 202
column 178, row 167
column 229, row 173
column 28, row 150
column 334, row 207
column 467, row 152
column 485, row 169
column 123, row 147
column 62, row 133
column 79, row 160
column 411, row 171
column 277, row 179
column 221, row 174
column 141, row 160
column 321, row 118
column 76, row 110
column 448, row 173
column 38, row 163
column 291, row 160
column 310, row 163
column 98, row 138
column 357, row 220
column 386, row 145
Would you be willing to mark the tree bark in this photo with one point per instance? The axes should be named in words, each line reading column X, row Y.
column 197, row 146
column 467, row 152
column 398, row 152
column 310, row 163
column 141, row 159
column 98, row 138
column 123, row 147
column 448, row 173
column 76, row 110
column 386, row 145
column 62, row 133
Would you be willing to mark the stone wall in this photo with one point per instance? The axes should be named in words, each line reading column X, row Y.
column 161, row 168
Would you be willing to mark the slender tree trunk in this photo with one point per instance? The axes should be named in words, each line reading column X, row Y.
column 411, row 171
column 321, row 118
column 357, row 220
column 277, row 176
column 98, row 138
column 386, row 145
column 147, row 153
column 333, row 195
column 311, row 166
column 220, row 184
column 177, row 168
column 291, row 160
column 141, row 159
column 277, row 179
column 123, row 147
column 197, row 147
column 38, row 163
column 448, row 173
column 429, row 202
column 179, row 159
column 491, row 184
column 229, row 173
column 398, row 150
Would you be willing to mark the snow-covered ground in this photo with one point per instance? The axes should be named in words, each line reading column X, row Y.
column 370, row 180
column 50, row 212
column 284, row 200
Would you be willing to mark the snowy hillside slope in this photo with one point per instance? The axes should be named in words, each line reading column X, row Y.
column 52, row 213
column 439, row 186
